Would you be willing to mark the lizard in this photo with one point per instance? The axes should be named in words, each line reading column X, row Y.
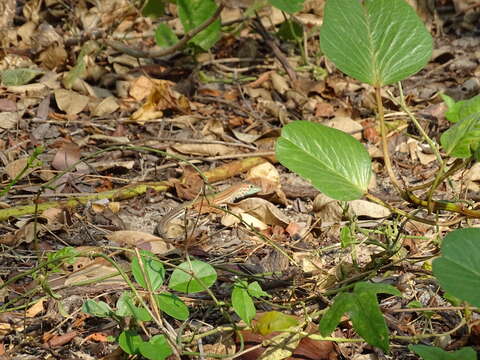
column 231, row 194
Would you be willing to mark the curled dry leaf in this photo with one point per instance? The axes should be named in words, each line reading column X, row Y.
column 257, row 212
column 267, row 177
column 141, row 240
column 327, row 209
column 67, row 156
column 161, row 97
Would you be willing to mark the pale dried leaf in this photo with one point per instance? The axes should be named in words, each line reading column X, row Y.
column 203, row 149
column 67, row 156
column 141, row 240
column 70, row 102
column 368, row 209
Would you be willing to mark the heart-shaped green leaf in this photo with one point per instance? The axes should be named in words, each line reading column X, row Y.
column 335, row 162
column 378, row 42
column 458, row 269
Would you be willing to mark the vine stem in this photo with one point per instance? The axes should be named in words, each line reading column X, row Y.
column 383, row 135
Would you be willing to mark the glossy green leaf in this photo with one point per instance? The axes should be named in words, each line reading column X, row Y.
column 164, row 36
column 153, row 267
column 192, row 276
column 458, row 269
column 193, row 13
column 14, row 77
column 157, row 348
column 336, row 163
column 378, row 42
column 243, row 304
column 130, row 341
column 364, row 310
column 435, row 353
column 96, row 308
column 462, row 139
column 172, row 305
column 289, row 6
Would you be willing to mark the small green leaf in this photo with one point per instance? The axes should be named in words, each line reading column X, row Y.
column 462, row 139
column 130, row 341
column 336, row 163
column 378, row 42
column 172, row 305
column 164, row 36
column 346, row 237
column 458, row 269
column 274, row 321
column 255, row 290
column 461, row 109
column 290, row 30
column 154, row 8
column 97, row 308
column 289, row 6
column 126, row 307
column 157, row 348
column 435, row 353
column 203, row 276
column 193, row 13
column 153, row 268
column 15, row 77
column 364, row 310
column 243, row 304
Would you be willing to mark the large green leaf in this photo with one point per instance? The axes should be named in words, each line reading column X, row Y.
column 378, row 42
column 462, row 139
column 458, row 269
column 335, row 162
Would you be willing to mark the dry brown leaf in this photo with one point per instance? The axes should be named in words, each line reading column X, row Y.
column 327, row 209
column 160, row 98
column 259, row 212
column 94, row 270
column 15, row 167
column 346, row 125
column 36, row 308
column 106, row 107
column 368, row 209
column 8, row 120
column 203, row 149
column 141, row 240
column 70, row 102
column 67, row 156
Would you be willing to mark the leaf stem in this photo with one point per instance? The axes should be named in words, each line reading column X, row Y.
column 383, row 134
